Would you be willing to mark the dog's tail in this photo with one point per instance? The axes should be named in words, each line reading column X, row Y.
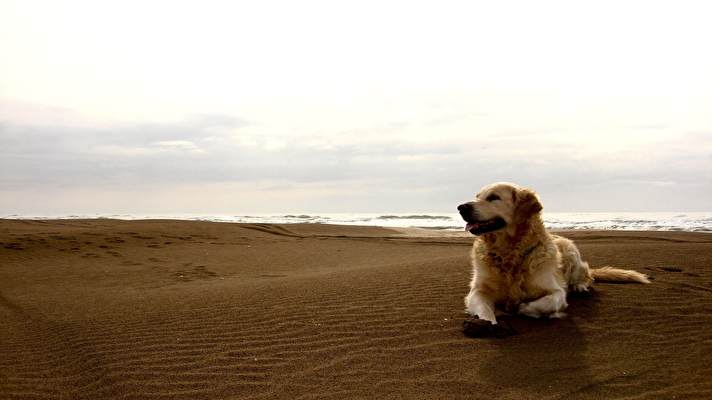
column 610, row 274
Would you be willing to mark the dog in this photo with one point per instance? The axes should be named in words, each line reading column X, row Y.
column 517, row 265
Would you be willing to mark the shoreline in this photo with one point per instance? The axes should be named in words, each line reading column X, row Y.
column 624, row 221
column 425, row 231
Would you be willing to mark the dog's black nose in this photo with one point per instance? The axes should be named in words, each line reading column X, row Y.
column 464, row 207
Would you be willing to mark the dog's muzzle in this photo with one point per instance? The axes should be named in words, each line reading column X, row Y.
column 467, row 212
column 475, row 225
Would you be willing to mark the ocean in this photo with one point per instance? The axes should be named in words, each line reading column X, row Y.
column 631, row 221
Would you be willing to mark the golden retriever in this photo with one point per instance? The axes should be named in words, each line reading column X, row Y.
column 518, row 266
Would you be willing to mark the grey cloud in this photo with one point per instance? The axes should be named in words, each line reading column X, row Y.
column 428, row 176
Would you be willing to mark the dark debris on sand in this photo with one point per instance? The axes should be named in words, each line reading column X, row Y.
column 476, row 328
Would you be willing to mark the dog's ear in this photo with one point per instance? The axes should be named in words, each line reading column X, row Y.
column 526, row 204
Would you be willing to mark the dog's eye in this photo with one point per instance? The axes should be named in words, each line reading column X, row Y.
column 492, row 197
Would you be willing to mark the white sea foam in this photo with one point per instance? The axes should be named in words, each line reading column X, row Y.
column 653, row 221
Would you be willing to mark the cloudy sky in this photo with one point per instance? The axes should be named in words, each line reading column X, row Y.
column 234, row 107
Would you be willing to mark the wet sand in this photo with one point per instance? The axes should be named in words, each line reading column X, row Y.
column 198, row 310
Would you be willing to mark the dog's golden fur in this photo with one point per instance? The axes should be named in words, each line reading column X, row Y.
column 517, row 265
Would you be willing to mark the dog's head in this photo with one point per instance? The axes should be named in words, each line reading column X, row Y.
column 497, row 206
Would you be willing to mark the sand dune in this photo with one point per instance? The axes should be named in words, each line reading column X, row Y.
column 196, row 310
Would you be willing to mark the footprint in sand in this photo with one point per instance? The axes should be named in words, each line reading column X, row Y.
column 143, row 237
column 14, row 246
column 202, row 270
column 198, row 272
column 665, row 269
column 670, row 268
column 58, row 237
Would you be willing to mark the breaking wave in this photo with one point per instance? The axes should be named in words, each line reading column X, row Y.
column 643, row 221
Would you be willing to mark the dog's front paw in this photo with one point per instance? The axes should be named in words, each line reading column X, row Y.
column 529, row 310
column 580, row 287
column 558, row 314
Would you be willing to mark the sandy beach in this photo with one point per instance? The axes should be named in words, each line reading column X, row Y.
column 161, row 309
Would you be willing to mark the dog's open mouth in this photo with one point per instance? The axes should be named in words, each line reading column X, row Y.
column 480, row 227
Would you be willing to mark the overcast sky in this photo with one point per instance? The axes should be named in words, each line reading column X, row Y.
column 235, row 107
